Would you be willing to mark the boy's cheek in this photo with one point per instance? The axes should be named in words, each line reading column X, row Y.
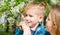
column 35, row 20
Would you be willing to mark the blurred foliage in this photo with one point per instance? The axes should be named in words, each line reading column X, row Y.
column 4, row 33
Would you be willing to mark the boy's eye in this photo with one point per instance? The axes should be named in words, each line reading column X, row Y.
column 27, row 15
column 30, row 15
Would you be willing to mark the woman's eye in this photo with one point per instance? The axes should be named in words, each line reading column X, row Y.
column 48, row 19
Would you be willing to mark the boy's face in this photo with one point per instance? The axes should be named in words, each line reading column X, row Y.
column 31, row 16
column 49, row 23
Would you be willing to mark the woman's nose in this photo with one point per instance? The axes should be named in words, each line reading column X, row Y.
column 46, row 21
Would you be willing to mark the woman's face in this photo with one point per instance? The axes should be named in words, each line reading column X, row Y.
column 49, row 23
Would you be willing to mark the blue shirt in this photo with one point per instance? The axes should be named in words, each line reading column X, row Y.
column 39, row 31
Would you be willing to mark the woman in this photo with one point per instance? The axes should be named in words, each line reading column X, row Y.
column 53, row 21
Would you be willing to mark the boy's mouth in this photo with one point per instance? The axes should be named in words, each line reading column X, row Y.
column 28, row 22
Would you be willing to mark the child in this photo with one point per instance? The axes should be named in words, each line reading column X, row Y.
column 31, row 23
column 53, row 21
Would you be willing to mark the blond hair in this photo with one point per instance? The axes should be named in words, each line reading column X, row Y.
column 38, row 5
column 55, row 15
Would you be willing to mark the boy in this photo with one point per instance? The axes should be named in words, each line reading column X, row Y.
column 31, row 23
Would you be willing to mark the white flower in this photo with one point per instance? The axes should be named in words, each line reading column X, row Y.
column 11, row 20
column 21, row 5
column 2, row 2
column 12, row 3
column 54, row 1
column 16, row 8
column 3, row 20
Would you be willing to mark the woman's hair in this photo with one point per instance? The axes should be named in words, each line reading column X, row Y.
column 55, row 15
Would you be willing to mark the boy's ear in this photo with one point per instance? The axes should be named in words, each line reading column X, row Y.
column 41, row 18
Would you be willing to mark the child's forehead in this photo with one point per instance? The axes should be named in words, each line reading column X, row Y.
column 37, row 12
column 33, row 6
column 39, row 9
column 35, row 9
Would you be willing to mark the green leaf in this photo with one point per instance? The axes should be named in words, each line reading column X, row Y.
column 0, row 14
column 47, row 9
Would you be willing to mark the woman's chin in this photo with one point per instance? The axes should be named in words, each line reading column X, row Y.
column 48, row 30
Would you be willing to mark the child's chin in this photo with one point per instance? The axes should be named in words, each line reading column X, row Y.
column 30, row 26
